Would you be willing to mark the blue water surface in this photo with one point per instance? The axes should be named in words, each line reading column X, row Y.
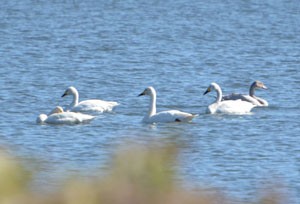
column 113, row 50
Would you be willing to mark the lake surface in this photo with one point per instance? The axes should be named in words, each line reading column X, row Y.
column 113, row 50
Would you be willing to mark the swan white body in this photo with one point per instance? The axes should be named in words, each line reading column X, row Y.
column 58, row 116
column 88, row 106
column 227, row 106
column 164, row 116
column 251, row 98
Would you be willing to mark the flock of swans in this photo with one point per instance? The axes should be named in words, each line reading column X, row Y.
column 84, row 111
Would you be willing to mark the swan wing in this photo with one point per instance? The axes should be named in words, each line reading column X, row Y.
column 68, row 118
column 243, row 97
column 262, row 102
column 94, row 106
column 231, row 107
column 170, row 116
column 233, row 96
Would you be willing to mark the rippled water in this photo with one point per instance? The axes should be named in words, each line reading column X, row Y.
column 112, row 50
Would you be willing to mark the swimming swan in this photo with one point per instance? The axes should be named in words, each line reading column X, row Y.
column 88, row 106
column 164, row 116
column 58, row 116
column 251, row 97
column 228, row 106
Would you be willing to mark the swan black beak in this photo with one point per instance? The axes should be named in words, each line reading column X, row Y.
column 64, row 94
column 142, row 94
column 207, row 91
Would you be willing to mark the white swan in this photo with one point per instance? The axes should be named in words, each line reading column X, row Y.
column 257, row 101
column 228, row 106
column 88, row 106
column 164, row 116
column 58, row 116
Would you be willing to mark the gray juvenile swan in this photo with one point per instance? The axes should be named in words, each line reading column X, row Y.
column 257, row 101
column 165, row 116
column 88, row 106
column 228, row 106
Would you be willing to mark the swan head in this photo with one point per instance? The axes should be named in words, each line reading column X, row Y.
column 212, row 86
column 259, row 85
column 41, row 118
column 70, row 91
column 57, row 109
column 150, row 91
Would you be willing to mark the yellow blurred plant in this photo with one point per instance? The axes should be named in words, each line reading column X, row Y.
column 137, row 175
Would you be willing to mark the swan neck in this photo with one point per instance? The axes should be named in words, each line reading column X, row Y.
column 75, row 98
column 219, row 94
column 152, row 107
column 251, row 91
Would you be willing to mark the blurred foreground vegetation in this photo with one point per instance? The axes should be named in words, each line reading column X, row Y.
column 136, row 176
